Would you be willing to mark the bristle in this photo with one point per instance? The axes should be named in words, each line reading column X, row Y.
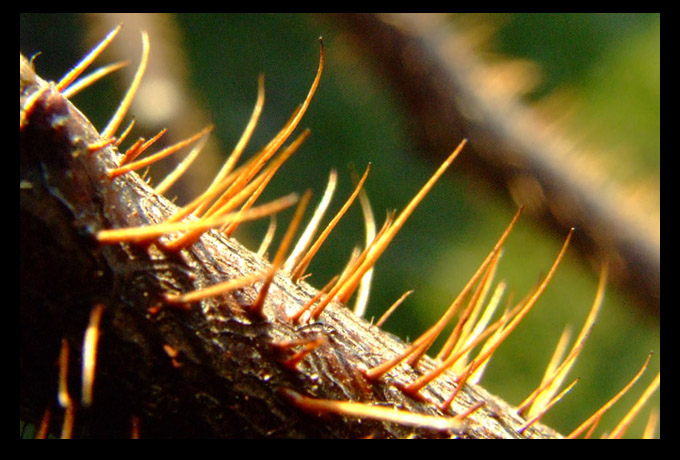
column 652, row 423
column 257, row 307
column 625, row 422
column 268, row 237
column 29, row 105
column 547, row 406
column 344, row 293
column 527, row 306
column 92, row 78
column 214, row 290
column 552, row 381
column 267, row 175
column 124, row 105
column 467, row 318
column 240, row 192
column 355, row 262
column 593, row 419
column 369, row 411
column 124, row 134
column 87, row 60
column 308, row 346
column 235, row 155
column 479, row 329
column 63, row 396
column 138, row 148
column 462, row 380
column 427, row 378
column 153, row 232
column 364, row 291
column 420, row 345
column 170, row 179
column 304, row 262
column 313, row 225
column 98, row 145
column 43, row 428
column 113, row 173
column 90, row 354
column 295, row 317
column 392, row 308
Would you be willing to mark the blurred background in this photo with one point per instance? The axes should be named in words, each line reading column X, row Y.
column 595, row 77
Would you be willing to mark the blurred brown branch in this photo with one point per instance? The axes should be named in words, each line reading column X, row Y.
column 438, row 77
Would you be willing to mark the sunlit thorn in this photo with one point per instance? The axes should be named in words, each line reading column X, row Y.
column 233, row 158
column 72, row 74
column 652, row 423
column 92, row 78
column 422, row 343
column 62, row 395
column 555, row 374
column 459, row 333
column 100, row 144
column 313, row 224
column 153, row 232
column 90, row 354
column 471, row 410
column 177, row 172
column 30, row 104
column 125, row 104
column 156, row 156
column 383, row 242
column 138, row 148
column 392, row 308
column 273, row 146
column 124, row 134
column 414, row 387
column 304, row 262
column 593, row 419
column 308, row 346
column 369, row 411
column 459, row 386
column 268, row 237
column 295, row 318
column 351, row 268
column 547, row 406
column 258, row 306
column 214, row 290
column 266, row 176
column 526, row 308
column 43, row 428
column 361, row 302
column 625, row 422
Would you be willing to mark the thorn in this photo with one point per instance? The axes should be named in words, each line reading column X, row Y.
column 92, row 78
column 302, row 265
column 283, row 248
column 394, row 306
column 153, row 232
column 313, row 224
column 90, row 354
column 385, row 414
column 593, row 419
column 113, row 173
column 214, row 290
column 124, row 105
column 87, row 60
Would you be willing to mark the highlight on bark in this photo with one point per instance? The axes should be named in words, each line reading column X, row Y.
column 229, row 200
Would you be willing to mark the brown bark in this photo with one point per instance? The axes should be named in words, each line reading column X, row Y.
column 210, row 370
